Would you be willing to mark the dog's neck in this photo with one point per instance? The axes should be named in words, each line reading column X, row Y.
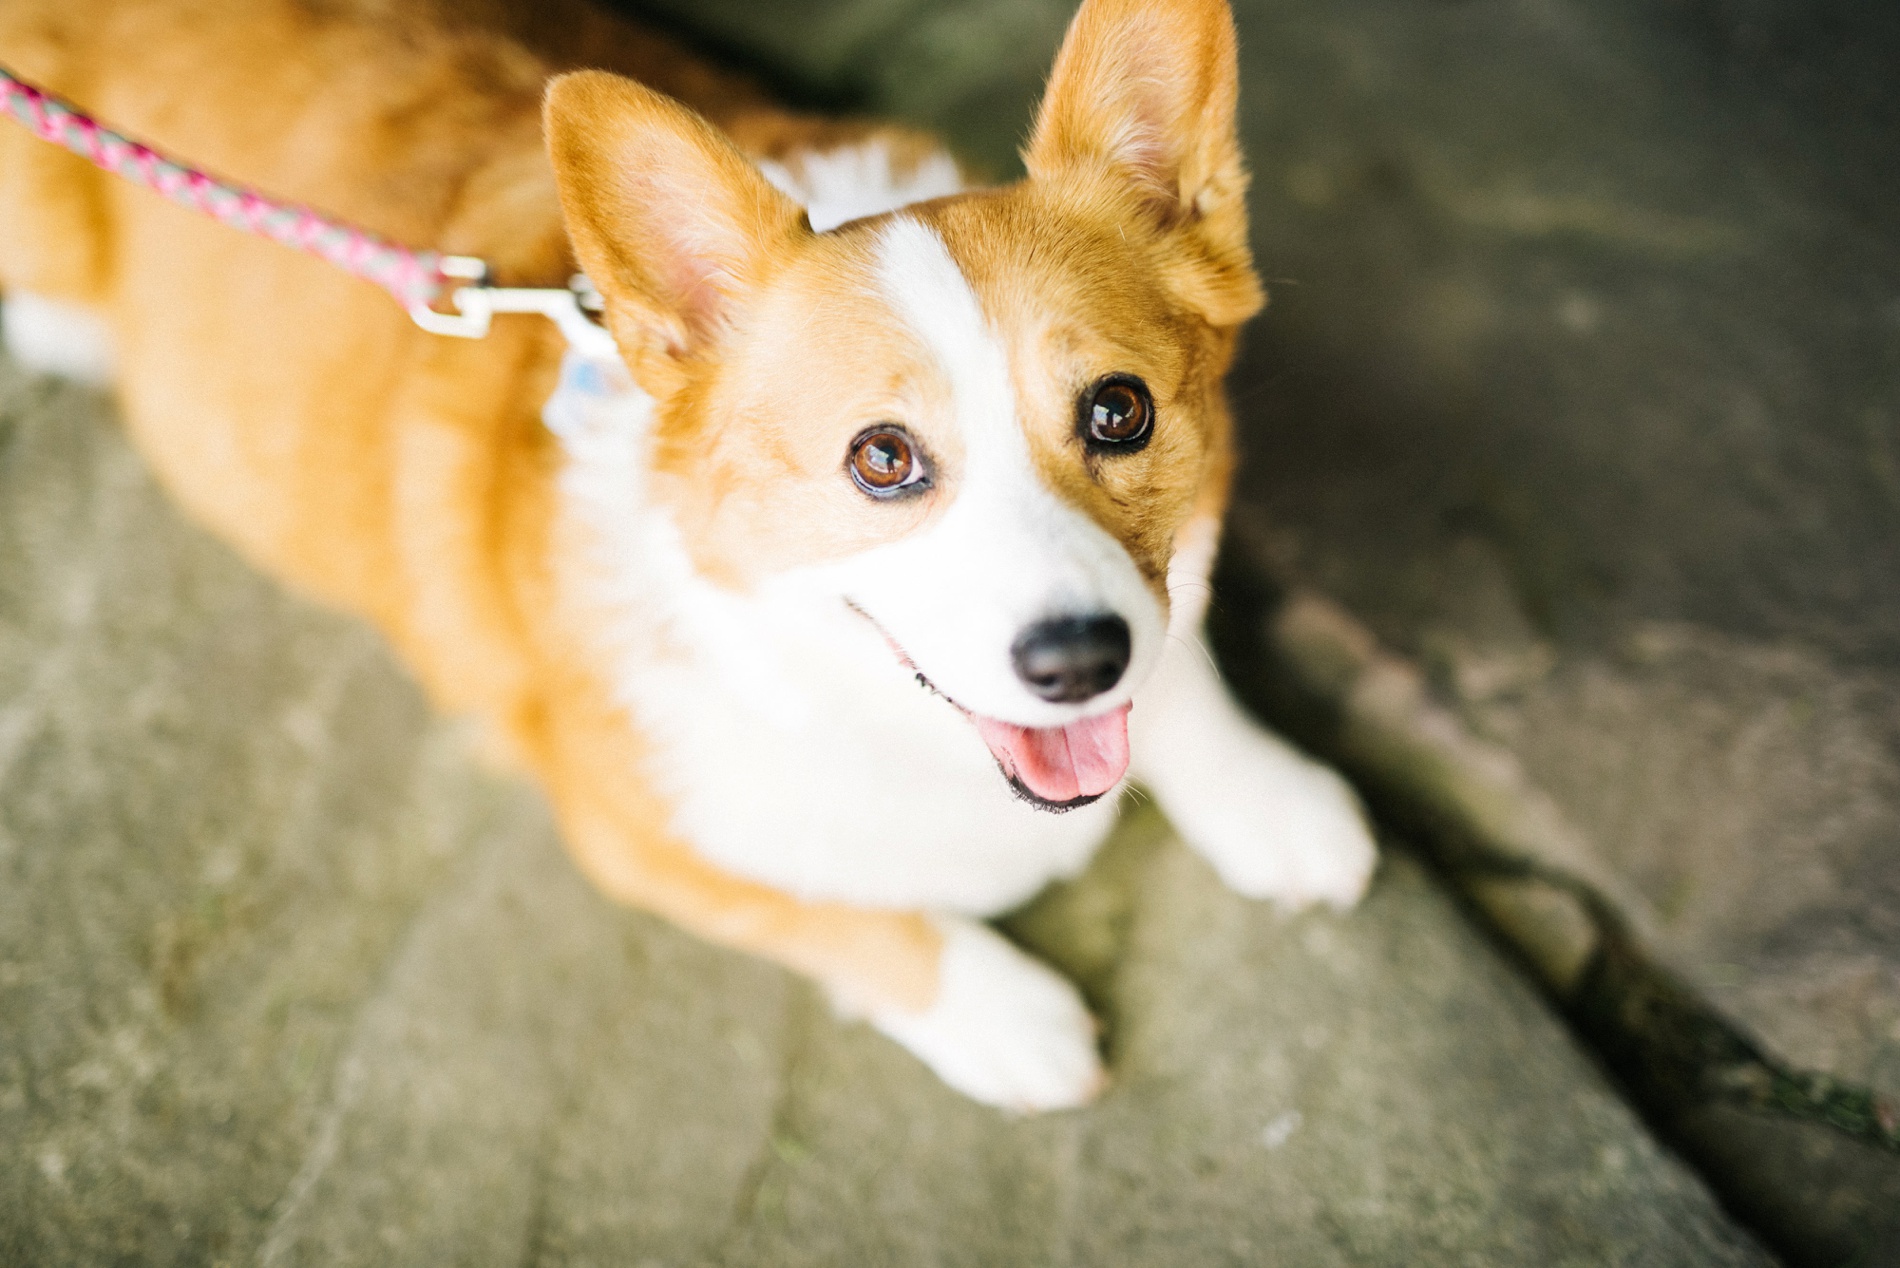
column 868, row 178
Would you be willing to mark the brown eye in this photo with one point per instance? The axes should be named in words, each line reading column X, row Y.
column 884, row 462
column 1118, row 414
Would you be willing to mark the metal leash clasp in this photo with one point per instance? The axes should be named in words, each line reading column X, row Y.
column 476, row 306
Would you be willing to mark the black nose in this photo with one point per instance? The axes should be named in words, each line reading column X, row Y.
column 1073, row 658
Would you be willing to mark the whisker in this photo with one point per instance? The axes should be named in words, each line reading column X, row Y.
column 1199, row 646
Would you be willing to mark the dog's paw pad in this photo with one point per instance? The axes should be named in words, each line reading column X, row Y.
column 1004, row 1029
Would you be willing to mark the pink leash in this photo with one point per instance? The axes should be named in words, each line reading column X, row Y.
column 417, row 279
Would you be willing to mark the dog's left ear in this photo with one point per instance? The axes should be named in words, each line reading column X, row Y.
column 670, row 221
column 1142, row 98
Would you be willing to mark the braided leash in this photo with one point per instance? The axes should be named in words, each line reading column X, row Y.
column 416, row 278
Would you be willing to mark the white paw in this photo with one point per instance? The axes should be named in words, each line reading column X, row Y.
column 1004, row 1029
column 52, row 337
column 1285, row 829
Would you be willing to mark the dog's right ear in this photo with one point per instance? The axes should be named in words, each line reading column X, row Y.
column 1142, row 100
column 667, row 217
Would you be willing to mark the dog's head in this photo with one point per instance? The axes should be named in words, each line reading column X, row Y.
column 982, row 422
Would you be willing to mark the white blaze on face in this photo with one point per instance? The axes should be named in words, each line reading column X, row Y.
column 1007, row 553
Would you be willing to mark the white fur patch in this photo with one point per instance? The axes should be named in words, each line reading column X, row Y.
column 1274, row 823
column 1003, row 1029
column 1008, row 552
column 855, row 181
column 52, row 337
column 1189, row 570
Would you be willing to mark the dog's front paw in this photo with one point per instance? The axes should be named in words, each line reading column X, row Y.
column 1286, row 829
column 1004, row 1029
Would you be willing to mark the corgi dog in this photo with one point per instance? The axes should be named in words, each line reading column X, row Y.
column 834, row 606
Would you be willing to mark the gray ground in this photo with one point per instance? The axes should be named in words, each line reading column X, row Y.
column 1569, row 526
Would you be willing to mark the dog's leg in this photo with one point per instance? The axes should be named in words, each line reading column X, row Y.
column 1273, row 823
column 1002, row 1027
column 52, row 241
column 989, row 1020
column 51, row 337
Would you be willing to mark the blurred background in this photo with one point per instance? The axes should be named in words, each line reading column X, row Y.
column 1569, row 524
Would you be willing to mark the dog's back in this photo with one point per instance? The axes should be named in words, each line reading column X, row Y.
column 256, row 396
column 291, row 408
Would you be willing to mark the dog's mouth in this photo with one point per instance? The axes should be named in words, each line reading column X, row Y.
column 1054, row 768
column 1059, row 767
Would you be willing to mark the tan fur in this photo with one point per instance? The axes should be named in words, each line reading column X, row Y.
column 407, row 477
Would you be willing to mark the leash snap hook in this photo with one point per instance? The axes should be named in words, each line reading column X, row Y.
column 471, row 317
column 476, row 306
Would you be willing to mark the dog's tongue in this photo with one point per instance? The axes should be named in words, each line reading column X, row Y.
column 1061, row 763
